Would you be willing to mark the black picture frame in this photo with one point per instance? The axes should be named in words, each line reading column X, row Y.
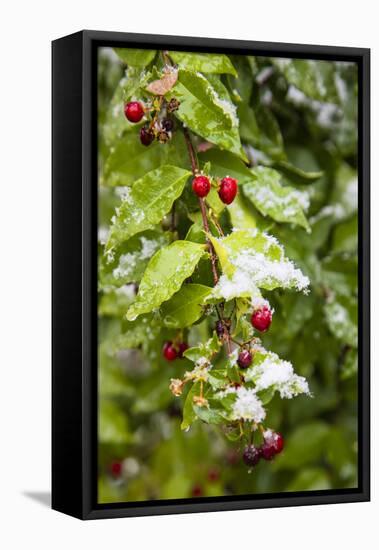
column 74, row 273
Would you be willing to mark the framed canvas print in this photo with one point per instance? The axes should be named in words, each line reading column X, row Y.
column 210, row 275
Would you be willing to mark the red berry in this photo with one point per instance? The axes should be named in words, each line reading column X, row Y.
column 197, row 491
column 201, row 186
column 244, row 359
column 182, row 348
column 273, row 444
column 268, row 451
column 213, row 474
column 134, row 111
column 116, row 468
column 228, row 190
column 146, row 136
column 251, row 455
column 261, row 319
column 232, row 457
column 169, row 352
column 275, row 439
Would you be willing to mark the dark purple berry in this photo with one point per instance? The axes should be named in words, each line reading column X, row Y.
column 219, row 329
column 182, row 348
column 167, row 124
column 244, row 359
column 251, row 455
column 146, row 135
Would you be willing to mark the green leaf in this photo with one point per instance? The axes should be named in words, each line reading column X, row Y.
column 206, row 350
column 214, row 202
column 135, row 57
column 283, row 204
column 224, row 164
column 295, row 174
column 305, row 446
column 128, row 263
column 189, row 414
column 164, row 275
column 342, row 318
column 240, row 214
column 208, row 415
column 260, row 129
column 205, row 112
column 115, row 302
column 113, row 426
column 350, row 365
column 136, row 333
column 310, row 479
column 148, row 201
column 129, row 160
column 185, row 307
column 204, row 62
column 115, row 123
column 316, row 79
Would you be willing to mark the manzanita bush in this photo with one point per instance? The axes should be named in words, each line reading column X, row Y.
column 226, row 247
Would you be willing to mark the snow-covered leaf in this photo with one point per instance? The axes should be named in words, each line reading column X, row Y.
column 129, row 261
column 283, row 204
column 250, row 260
column 342, row 318
column 150, row 198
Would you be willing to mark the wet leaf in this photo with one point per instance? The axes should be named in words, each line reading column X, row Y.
column 185, row 307
column 204, row 62
column 282, row 203
column 150, row 198
column 204, row 111
column 135, row 57
column 164, row 275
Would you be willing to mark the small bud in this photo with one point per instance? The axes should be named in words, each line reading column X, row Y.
column 200, row 401
column 173, row 105
column 176, row 386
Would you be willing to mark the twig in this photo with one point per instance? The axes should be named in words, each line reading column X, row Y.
column 195, row 170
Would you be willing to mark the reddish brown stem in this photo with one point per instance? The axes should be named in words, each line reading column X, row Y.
column 195, row 170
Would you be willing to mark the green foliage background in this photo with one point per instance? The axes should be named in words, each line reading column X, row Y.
column 299, row 118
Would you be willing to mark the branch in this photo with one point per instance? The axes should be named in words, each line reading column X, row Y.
column 195, row 170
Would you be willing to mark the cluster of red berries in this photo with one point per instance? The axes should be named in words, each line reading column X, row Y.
column 172, row 351
column 272, row 445
column 159, row 129
column 227, row 188
column 213, row 476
